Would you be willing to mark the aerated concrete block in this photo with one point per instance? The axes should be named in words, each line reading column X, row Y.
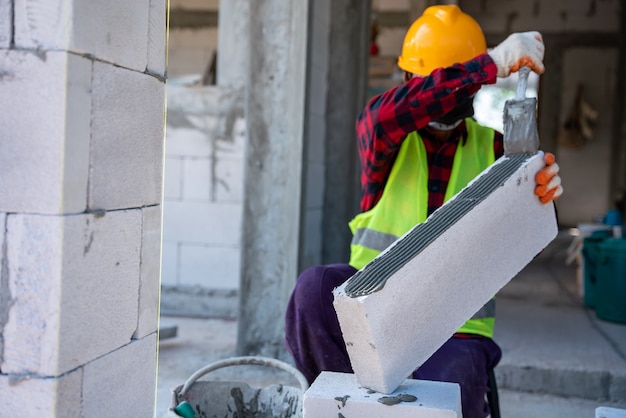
column 156, row 37
column 401, row 307
column 74, row 281
column 127, row 140
column 32, row 396
column 122, row 383
column 45, row 119
column 150, row 284
column 606, row 412
column 338, row 394
column 114, row 31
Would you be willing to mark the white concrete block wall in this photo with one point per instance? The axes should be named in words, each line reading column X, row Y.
column 120, row 384
column 392, row 331
column 51, row 397
column 94, row 277
column 339, row 394
column 111, row 31
column 203, row 191
column 209, row 266
column 150, row 271
column 44, row 161
column 78, row 284
column 128, row 148
column 173, row 180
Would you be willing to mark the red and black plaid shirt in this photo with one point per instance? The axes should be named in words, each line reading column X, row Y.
column 391, row 116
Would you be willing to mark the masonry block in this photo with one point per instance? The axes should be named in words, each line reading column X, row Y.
column 150, row 283
column 606, row 412
column 339, row 394
column 173, row 180
column 74, row 281
column 186, row 141
column 127, row 139
column 169, row 270
column 122, row 383
column 403, row 305
column 157, row 30
column 29, row 396
column 6, row 23
column 212, row 267
column 202, row 223
column 229, row 181
column 114, row 31
column 198, row 181
column 44, row 163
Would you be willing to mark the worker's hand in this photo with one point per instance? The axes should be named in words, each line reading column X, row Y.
column 548, row 180
column 519, row 49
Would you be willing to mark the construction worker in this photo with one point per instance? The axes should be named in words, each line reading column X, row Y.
column 421, row 132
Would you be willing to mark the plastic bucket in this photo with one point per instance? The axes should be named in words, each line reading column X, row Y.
column 591, row 258
column 611, row 281
column 199, row 399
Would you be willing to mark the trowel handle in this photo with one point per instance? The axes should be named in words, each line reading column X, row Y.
column 522, row 82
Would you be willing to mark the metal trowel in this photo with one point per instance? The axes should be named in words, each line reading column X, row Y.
column 520, row 120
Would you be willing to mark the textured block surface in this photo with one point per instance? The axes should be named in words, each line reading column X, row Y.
column 93, row 274
column 396, row 324
column 150, row 272
column 122, row 383
column 338, row 394
column 115, row 31
column 23, row 396
column 44, row 161
column 127, row 139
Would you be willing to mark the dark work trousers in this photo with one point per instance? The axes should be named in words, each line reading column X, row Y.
column 314, row 339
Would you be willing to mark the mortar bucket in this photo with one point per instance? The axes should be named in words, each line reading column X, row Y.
column 200, row 399
column 611, row 284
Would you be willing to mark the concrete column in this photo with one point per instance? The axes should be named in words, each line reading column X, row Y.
column 274, row 111
column 347, row 88
column 80, row 205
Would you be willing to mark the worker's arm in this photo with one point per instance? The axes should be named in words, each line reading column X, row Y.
column 389, row 117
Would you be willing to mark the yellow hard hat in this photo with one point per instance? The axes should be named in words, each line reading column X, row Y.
column 442, row 36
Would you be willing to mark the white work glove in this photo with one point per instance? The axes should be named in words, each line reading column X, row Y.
column 519, row 49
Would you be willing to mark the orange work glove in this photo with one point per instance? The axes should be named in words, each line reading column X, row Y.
column 548, row 180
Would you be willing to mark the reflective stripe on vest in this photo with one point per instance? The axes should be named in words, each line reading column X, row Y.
column 404, row 202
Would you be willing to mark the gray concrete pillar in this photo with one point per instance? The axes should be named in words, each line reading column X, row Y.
column 274, row 111
column 347, row 88
column 81, row 150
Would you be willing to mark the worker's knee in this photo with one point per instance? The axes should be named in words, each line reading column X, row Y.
column 314, row 287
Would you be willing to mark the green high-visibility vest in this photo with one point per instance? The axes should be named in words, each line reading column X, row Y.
column 404, row 203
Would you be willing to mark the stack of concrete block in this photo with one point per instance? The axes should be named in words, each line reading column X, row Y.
column 80, row 191
column 401, row 307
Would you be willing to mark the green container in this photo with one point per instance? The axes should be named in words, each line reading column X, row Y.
column 591, row 258
column 610, row 291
